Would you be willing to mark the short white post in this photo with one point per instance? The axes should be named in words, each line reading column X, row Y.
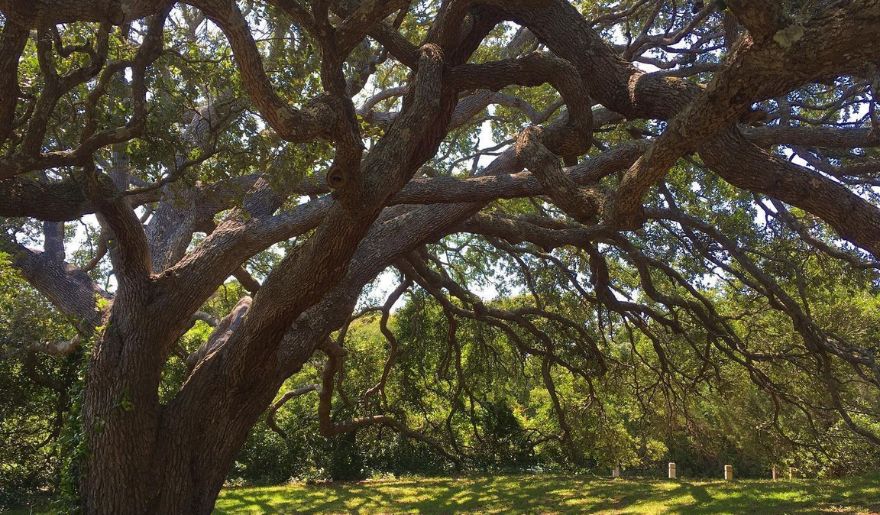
column 615, row 472
column 728, row 472
column 671, row 470
column 791, row 472
column 774, row 472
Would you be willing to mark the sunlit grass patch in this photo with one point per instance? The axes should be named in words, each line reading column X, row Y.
column 557, row 494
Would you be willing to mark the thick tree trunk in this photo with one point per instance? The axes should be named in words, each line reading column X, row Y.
column 196, row 452
column 120, row 421
column 146, row 458
column 143, row 457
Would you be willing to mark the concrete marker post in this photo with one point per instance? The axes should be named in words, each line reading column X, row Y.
column 728, row 472
column 671, row 470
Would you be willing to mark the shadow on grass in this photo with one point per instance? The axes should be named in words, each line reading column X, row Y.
column 558, row 494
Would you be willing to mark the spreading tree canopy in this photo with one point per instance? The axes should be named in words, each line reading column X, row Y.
column 563, row 179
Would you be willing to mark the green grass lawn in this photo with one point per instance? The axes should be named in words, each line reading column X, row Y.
column 552, row 494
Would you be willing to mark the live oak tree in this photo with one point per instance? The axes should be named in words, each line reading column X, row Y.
column 644, row 156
